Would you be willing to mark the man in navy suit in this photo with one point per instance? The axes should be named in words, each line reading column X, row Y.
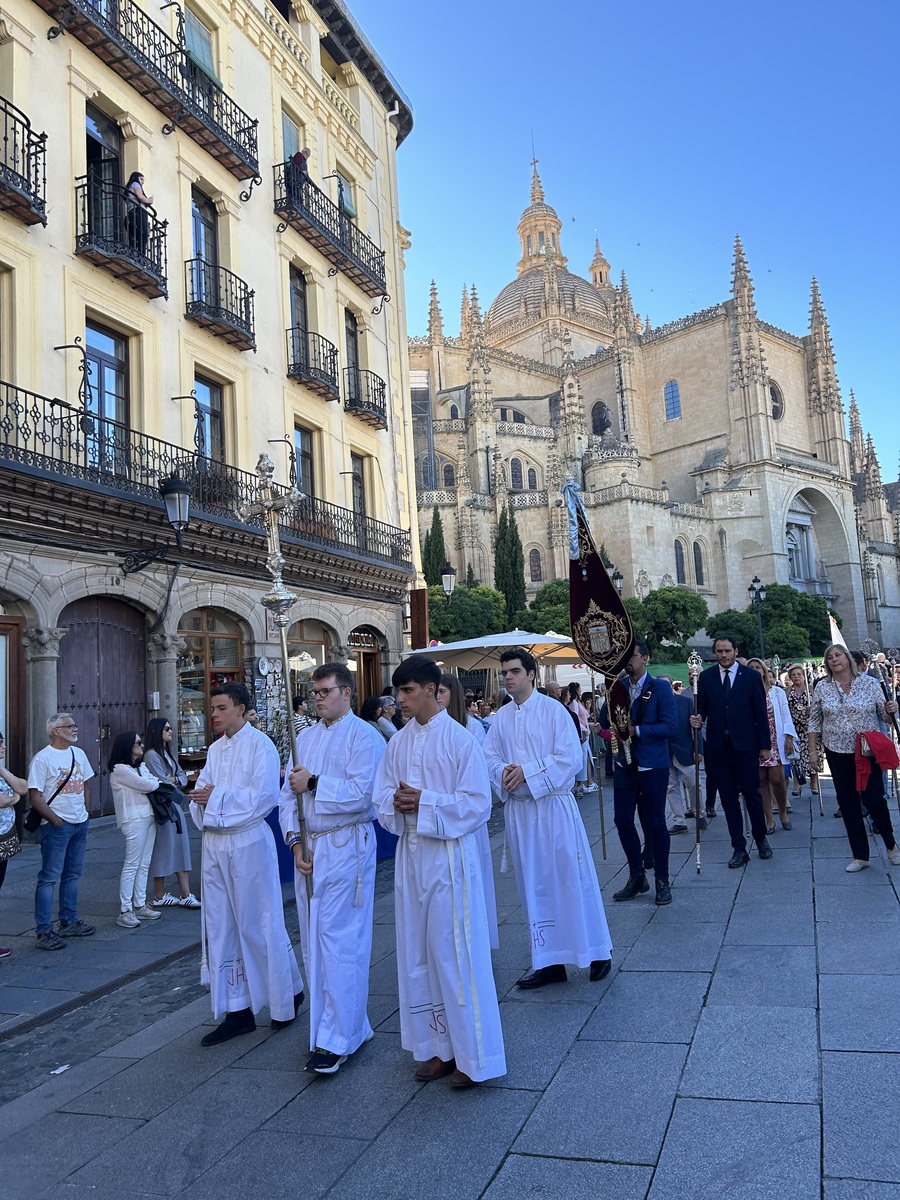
column 640, row 784
column 732, row 701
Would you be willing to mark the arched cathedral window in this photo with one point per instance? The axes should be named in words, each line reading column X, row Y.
column 515, row 474
column 449, row 475
column 680, row 577
column 699, row 578
column 535, row 567
column 672, row 398
column 454, row 413
column 532, row 479
column 600, row 419
column 776, row 400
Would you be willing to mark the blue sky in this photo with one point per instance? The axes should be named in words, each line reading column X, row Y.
column 664, row 130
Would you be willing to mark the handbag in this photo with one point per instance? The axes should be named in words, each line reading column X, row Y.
column 9, row 844
column 34, row 818
column 864, row 748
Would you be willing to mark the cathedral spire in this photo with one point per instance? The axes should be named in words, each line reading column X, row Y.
column 599, row 269
column 539, row 230
column 537, row 188
column 741, row 282
column 435, row 321
column 824, row 392
column 464, row 316
column 857, row 450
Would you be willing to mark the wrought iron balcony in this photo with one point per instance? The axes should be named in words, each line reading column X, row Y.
column 129, row 242
column 124, row 37
column 313, row 361
column 364, row 396
column 23, row 167
column 49, row 438
column 304, row 206
column 220, row 302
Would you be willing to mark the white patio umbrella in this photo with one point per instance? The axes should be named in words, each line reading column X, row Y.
column 547, row 648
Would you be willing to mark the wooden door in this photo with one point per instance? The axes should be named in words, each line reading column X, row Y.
column 102, row 680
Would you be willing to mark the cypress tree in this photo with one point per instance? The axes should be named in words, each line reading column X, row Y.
column 434, row 553
column 515, row 596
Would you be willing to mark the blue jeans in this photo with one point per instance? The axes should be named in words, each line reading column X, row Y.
column 62, row 859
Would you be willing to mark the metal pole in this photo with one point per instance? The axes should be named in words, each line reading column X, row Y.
column 695, row 662
column 762, row 648
column 597, row 769
column 279, row 602
column 818, row 774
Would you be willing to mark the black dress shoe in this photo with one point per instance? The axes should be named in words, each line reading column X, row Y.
column 233, row 1026
column 636, row 886
column 542, row 976
column 740, row 858
column 600, row 968
column 663, row 892
column 765, row 850
column 703, row 823
column 298, row 1000
column 710, row 815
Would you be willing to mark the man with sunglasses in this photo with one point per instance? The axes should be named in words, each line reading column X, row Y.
column 337, row 760
column 58, row 791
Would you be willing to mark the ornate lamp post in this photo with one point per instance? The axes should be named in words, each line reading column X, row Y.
column 448, row 581
column 757, row 592
column 176, row 495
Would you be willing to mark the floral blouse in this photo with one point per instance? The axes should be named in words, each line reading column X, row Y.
column 838, row 717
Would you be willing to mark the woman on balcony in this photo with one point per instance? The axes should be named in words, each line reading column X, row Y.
column 137, row 223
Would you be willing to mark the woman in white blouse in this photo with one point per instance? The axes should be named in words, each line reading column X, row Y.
column 772, row 779
column 844, row 705
column 131, row 783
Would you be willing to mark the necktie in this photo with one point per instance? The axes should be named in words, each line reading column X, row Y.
column 726, row 682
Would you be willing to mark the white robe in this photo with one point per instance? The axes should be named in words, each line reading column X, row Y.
column 552, row 858
column 251, row 962
column 448, row 1000
column 336, row 926
column 479, row 733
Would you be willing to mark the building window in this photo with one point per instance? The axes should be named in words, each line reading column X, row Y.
column 680, row 577
column 290, row 137
column 358, row 476
column 106, row 440
column 304, row 452
column 212, row 655
column 879, row 584
column 699, row 577
column 532, row 479
column 541, row 246
column 529, row 244
column 515, row 474
column 346, row 201
column 600, row 419
column 454, row 413
column 299, row 308
column 449, row 475
column 534, row 566
column 198, row 43
column 428, row 472
column 209, row 415
column 673, row 400
column 776, row 399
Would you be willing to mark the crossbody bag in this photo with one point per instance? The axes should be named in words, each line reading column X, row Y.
column 34, row 818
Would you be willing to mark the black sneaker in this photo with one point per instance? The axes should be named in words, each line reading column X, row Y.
column 76, row 929
column 323, row 1062
column 49, row 940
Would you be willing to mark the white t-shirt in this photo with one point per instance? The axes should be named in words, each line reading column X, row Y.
column 49, row 768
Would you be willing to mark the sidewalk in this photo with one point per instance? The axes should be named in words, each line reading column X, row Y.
column 746, row 1044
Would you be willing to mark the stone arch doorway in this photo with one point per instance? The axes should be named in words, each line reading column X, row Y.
column 364, row 660
column 102, row 680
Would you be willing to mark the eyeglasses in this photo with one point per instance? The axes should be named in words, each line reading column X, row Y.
column 323, row 692
column 67, row 727
column 138, row 742
column 167, row 729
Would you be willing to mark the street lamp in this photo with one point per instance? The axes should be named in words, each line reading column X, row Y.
column 757, row 592
column 448, row 580
column 619, row 580
column 176, row 495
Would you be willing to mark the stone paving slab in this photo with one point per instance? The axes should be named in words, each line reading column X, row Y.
column 717, row 1149
column 622, row 1093
column 860, row 1189
column 771, row 976
column 529, row 1178
column 842, row 951
column 861, row 1102
column 537, row 1038
column 66, row 1142
column 754, row 1053
column 649, row 1006
column 658, row 950
column 279, row 1166
column 860, row 1012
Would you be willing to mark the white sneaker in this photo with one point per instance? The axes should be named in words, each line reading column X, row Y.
column 145, row 913
column 858, row 864
column 166, row 900
column 894, row 856
column 590, row 787
column 190, row 901
column 128, row 920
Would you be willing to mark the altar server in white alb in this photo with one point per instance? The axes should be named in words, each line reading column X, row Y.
column 534, row 754
column 337, row 759
column 432, row 789
column 251, row 962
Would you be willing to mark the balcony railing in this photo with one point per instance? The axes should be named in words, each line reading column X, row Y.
column 128, row 241
column 124, row 37
column 23, row 167
column 313, row 361
column 48, row 437
column 219, row 301
column 364, row 396
column 303, row 205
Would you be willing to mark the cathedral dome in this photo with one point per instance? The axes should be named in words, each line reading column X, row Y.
column 527, row 296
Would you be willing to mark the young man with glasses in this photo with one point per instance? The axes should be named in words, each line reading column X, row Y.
column 58, row 791
column 337, row 760
column 534, row 753
column 251, row 961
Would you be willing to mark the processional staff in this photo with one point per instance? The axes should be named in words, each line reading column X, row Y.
column 279, row 601
column 695, row 665
column 809, row 670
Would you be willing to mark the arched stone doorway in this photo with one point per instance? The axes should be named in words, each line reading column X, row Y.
column 364, row 645
column 102, row 680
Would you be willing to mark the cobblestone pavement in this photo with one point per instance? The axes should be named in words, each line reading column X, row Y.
column 746, row 1045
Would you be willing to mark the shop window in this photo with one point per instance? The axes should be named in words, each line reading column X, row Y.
column 212, row 655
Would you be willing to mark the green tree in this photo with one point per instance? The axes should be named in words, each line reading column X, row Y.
column 635, row 609
column 812, row 615
column 787, row 640
column 471, row 581
column 472, row 612
column 740, row 625
column 671, row 616
column 548, row 610
column 509, row 565
column 434, row 554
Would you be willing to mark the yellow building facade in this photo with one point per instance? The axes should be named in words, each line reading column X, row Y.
column 254, row 305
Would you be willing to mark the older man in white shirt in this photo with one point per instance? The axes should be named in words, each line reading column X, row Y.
column 337, row 759
column 251, row 962
column 533, row 754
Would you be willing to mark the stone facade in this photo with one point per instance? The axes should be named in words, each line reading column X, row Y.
column 709, row 450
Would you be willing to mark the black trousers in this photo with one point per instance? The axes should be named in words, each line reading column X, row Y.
column 644, row 792
column 736, row 773
column 850, row 802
